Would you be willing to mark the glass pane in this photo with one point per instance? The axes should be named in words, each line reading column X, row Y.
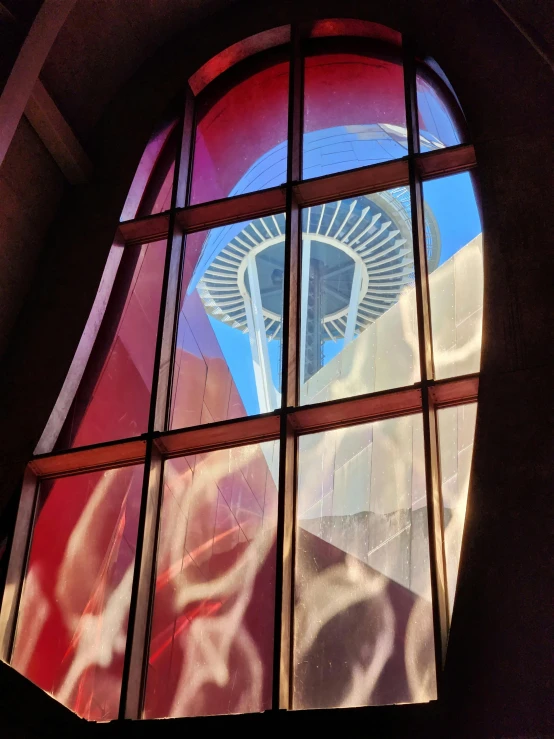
column 354, row 113
column 438, row 127
column 228, row 356
column 456, row 434
column 211, row 649
column 150, row 191
column 108, row 392
column 355, row 27
column 241, row 139
column 363, row 616
column 453, row 232
column 358, row 310
column 72, row 624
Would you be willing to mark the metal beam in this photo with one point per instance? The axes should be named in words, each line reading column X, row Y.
column 57, row 135
column 24, row 74
column 530, row 35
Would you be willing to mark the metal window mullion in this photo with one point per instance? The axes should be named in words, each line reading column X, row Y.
column 142, row 594
column 17, row 566
column 282, row 657
column 135, row 664
column 181, row 196
column 312, row 192
column 430, row 436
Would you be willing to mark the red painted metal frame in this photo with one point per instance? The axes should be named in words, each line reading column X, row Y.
column 251, row 430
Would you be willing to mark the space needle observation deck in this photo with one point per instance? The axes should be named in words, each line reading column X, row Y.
column 357, row 259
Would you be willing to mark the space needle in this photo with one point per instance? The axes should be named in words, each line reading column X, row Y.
column 357, row 256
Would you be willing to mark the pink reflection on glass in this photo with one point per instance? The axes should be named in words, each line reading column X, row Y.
column 354, row 27
column 211, row 647
column 357, row 103
column 227, row 357
column 236, row 53
column 113, row 398
column 150, row 190
column 72, row 624
column 236, row 131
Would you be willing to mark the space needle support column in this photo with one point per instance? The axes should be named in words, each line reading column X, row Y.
column 437, row 557
column 267, row 397
column 284, row 581
column 306, row 251
column 353, row 304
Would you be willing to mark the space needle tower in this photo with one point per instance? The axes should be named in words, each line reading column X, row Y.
column 356, row 259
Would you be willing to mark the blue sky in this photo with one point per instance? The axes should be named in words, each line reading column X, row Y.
column 453, row 203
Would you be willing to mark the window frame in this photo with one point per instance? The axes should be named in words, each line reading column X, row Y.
column 290, row 421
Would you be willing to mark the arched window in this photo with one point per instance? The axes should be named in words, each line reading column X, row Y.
column 251, row 492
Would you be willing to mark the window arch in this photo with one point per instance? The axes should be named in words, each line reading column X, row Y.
column 251, row 492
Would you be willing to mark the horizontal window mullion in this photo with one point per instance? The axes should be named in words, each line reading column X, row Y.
column 359, row 409
column 455, row 391
column 364, row 180
column 441, row 162
column 86, row 459
column 232, row 210
column 145, row 230
column 225, row 434
column 257, row 429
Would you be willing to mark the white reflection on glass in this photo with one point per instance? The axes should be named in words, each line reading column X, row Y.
column 456, row 434
column 212, row 637
column 363, row 617
column 358, row 313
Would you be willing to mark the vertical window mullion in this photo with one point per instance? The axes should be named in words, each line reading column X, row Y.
column 430, row 435
column 177, row 244
column 19, row 555
column 142, row 594
column 282, row 665
column 140, row 609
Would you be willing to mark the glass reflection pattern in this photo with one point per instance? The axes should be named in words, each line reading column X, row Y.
column 354, row 113
column 456, row 286
column 152, row 184
column 211, row 650
column 363, row 617
column 456, row 435
column 72, row 624
column 241, row 138
column 228, row 355
column 113, row 397
column 358, row 310
column 437, row 127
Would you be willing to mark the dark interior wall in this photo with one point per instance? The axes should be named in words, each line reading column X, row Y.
column 31, row 188
column 498, row 672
